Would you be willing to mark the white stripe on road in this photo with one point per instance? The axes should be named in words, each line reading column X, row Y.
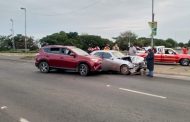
column 108, row 85
column 4, row 107
column 23, row 120
column 138, row 92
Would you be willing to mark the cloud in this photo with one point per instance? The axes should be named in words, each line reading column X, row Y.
column 107, row 18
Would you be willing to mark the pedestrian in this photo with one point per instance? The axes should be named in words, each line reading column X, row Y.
column 132, row 50
column 115, row 47
column 107, row 47
column 150, row 62
column 185, row 50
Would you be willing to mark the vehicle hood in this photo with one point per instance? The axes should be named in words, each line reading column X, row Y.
column 184, row 55
column 121, row 61
column 133, row 59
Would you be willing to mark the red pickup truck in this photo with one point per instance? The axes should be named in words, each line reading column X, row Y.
column 168, row 55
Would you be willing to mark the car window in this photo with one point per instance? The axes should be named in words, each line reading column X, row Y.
column 98, row 54
column 66, row 51
column 169, row 51
column 55, row 50
column 47, row 50
column 79, row 51
column 118, row 54
column 107, row 55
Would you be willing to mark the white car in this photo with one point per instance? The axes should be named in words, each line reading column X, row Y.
column 117, row 61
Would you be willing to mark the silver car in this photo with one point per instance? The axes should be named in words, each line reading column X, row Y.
column 117, row 61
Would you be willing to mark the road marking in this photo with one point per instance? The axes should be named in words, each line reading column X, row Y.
column 138, row 92
column 23, row 120
column 4, row 107
column 108, row 85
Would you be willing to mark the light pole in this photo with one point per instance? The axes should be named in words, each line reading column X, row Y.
column 152, row 36
column 25, row 43
column 12, row 33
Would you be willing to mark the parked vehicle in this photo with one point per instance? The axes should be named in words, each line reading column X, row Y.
column 67, row 57
column 168, row 55
column 116, row 61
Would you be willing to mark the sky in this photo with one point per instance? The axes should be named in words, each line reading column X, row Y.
column 106, row 18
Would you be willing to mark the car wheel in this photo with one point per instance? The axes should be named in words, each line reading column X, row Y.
column 124, row 70
column 185, row 62
column 83, row 69
column 44, row 67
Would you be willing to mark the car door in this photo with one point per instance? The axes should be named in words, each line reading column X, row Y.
column 158, row 54
column 157, row 57
column 69, row 59
column 53, row 57
column 169, row 56
column 108, row 62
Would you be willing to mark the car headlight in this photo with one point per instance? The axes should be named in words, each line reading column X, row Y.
column 94, row 60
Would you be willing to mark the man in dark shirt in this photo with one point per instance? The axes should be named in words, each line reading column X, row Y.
column 150, row 62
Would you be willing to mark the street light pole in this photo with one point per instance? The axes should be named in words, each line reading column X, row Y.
column 25, row 43
column 12, row 31
column 152, row 36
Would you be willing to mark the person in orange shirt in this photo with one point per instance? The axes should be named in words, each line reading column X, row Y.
column 107, row 47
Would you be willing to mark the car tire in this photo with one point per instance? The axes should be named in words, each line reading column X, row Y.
column 44, row 67
column 83, row 69
column 185, row 62
column 124, row 70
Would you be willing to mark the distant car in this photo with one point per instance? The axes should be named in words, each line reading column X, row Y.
column 168, row 55
column 117, row 61
column 67, row 57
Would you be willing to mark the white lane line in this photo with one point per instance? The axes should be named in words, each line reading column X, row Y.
column 4, row 107
column 138, row 92
column 108, row 85
column 23, row 120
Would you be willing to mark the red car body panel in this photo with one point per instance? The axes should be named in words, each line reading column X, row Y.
column 57, row 60
column 167, row 58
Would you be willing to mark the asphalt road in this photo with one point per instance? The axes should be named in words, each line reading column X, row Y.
column 26, row 95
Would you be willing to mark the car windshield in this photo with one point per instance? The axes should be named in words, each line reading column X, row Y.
column 80, row 52
column 118, row 54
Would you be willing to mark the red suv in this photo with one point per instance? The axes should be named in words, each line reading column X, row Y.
column 66, row 57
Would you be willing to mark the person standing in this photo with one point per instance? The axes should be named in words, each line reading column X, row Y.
column 150, row 62
column 185, row 50
column 132, row 50
column 107, row 47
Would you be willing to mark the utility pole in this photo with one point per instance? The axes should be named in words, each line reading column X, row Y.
column 25, row 41
column 152, row 35
column 12, row 33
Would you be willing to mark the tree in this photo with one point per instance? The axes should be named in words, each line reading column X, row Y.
column 188, row 43
column 5, row 43
column 73, row 39
column 56, row 38
column 93, row 41
column 124, row 39
column 20, row 42
column 170, row 43
column 181, row 44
